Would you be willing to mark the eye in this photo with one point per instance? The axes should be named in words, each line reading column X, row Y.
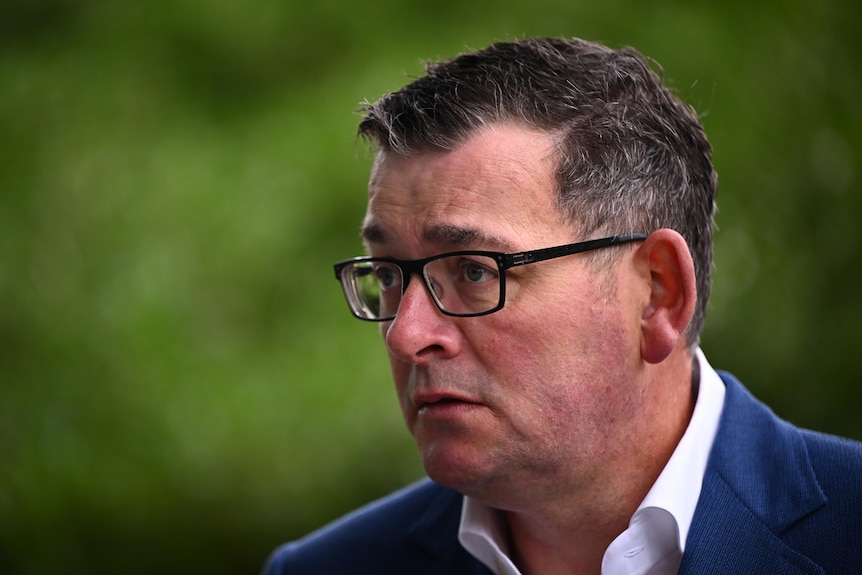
column 387, row 277
column 474, row 272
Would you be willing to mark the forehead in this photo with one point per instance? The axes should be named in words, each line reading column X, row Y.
column 497, row 190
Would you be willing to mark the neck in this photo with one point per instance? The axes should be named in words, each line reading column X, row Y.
column 570, row 533
column 550, row 549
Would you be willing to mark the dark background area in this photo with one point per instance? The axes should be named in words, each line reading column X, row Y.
column 181, row 385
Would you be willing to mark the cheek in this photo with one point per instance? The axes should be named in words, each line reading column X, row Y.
column 568, row 365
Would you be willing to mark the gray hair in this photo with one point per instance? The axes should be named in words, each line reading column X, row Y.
column 632, row 157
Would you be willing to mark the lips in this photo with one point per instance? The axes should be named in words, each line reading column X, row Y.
column 426, row 402
column 424, row 398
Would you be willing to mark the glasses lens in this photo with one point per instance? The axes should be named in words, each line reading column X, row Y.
column 461, row 284
column 465, row 284
column 373, row 289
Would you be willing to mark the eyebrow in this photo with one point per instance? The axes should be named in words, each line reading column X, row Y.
column 373, row 234
column 449, row 235
column 459, row 237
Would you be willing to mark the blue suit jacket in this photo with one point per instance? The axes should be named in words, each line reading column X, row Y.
column 775, row 500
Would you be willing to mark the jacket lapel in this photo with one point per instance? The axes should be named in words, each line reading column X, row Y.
column 758, row 482
column 435, row 534
column 727, row 537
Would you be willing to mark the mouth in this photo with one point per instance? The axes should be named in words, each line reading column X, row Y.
column 439, row 404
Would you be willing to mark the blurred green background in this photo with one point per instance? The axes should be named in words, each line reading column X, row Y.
column 181, row 385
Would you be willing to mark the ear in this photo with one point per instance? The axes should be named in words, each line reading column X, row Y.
column 665, row 263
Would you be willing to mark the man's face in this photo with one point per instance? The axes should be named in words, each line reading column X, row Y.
column 542, row 391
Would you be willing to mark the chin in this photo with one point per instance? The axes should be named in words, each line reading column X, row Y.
column 465, row 472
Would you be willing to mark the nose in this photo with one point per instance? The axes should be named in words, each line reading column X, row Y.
column 420, row 332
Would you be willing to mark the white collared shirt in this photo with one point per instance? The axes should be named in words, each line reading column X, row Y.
column 655, row 539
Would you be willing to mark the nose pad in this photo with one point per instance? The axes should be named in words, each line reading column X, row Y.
column 435, row 289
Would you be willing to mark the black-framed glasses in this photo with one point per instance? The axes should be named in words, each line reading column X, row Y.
column 463, row 284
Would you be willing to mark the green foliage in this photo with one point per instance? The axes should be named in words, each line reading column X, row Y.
column 181, row 386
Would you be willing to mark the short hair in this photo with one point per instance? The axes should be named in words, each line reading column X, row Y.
column 631, row 156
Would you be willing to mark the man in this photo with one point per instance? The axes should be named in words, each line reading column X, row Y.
column 539, row 230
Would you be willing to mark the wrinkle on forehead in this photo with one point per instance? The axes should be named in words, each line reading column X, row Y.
column 468, row 197
column 498, row 157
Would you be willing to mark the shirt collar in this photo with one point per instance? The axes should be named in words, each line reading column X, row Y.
column 677, row 488
column 662, row 520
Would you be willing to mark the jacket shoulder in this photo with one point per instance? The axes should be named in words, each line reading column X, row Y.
column 399, row 533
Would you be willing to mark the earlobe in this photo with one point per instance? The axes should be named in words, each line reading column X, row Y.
column 665, row 256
